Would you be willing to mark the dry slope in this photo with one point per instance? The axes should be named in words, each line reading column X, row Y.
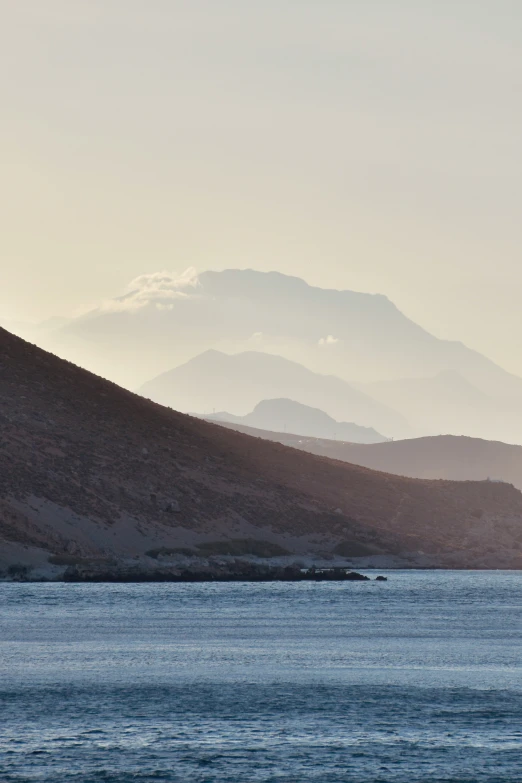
column 89, row 468
column 454, row 457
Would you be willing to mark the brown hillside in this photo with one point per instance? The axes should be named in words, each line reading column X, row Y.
column 457, row 458
column 89, row 468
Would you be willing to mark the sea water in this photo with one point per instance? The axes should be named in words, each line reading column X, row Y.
column 415, row 679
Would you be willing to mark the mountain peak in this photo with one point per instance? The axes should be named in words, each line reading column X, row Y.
column 257, row 284
column 360, row 338
column 238, row 382
column 286, row 415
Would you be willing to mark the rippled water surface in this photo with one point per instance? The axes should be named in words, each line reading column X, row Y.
column 417, row 679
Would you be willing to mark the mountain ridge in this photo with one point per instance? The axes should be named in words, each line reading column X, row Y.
column 315, row 313
column 434, row 457
column 216, row 380
column 299, row 419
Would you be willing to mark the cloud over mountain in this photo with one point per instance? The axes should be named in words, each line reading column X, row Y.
column 163, row 320
column 157, row 289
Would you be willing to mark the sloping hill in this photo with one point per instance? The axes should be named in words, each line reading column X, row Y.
column 89, row 469
column 283, row 415
column 451, row 457
column 216, row 381
column 441, row 457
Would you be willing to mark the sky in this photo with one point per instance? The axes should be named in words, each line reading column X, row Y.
column 372, row 145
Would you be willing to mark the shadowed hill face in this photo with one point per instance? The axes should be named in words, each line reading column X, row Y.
column 441, row 457
column 284, row 415
column 217, row 381
column 86, row 467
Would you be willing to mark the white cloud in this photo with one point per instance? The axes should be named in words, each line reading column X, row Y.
column 157, row 288
column 330, row 340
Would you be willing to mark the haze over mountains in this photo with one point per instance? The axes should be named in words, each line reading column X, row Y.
column 439, row 386
column 89, row 470
column 285, row 415
column 448, row 403
column 215, row 381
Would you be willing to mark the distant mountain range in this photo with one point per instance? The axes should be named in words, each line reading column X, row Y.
column 284, row 415
column 215, row 381
column 91, row 473
column 162, row 322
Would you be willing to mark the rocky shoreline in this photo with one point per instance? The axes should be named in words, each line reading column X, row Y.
column 230, row 572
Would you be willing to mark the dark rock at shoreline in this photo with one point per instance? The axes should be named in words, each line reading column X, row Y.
column 233, row 572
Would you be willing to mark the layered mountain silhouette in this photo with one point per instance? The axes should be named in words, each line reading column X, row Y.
column 89, row 470
column 284, row 415
column 215, row 381
column 161, row 322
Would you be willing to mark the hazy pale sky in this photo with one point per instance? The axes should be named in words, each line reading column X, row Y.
column 364, row 144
